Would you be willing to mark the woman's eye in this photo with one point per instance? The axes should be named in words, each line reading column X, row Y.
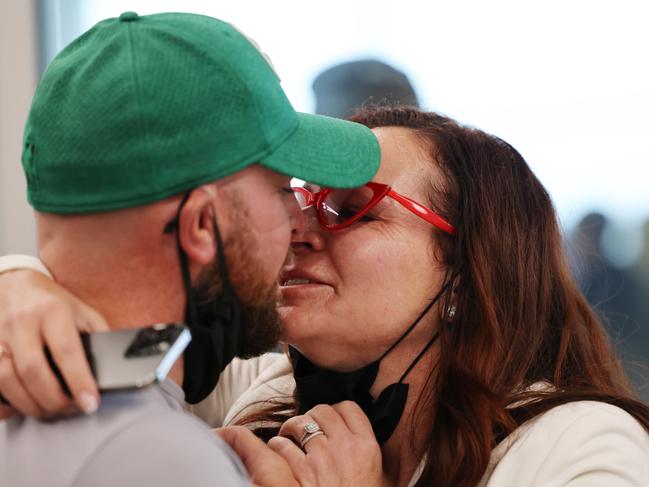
column 288, row 190
column 347, row 213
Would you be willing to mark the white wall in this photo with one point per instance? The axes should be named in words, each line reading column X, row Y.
column 18, row 68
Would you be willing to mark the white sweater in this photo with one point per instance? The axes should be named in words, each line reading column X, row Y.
column 580, row 444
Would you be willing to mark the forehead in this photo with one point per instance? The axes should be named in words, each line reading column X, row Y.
column 406, row 162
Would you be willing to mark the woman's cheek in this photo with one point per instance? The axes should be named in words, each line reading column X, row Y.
column 363, row 258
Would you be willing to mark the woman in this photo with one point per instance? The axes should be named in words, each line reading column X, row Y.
column 455, row 284
column 517, row 343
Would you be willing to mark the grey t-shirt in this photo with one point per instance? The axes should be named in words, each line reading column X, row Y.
column 140, row 438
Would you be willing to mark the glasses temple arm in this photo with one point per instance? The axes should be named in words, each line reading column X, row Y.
column 421, row 211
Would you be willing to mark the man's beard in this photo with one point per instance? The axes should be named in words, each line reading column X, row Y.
column 259, row 316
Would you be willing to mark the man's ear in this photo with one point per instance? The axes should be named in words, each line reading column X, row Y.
column 196, row 226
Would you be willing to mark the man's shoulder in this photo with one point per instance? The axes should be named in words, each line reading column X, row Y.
column 164, row 448
column 147, row 420
column 135, row 437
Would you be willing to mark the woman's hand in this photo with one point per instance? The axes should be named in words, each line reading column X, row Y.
column 36, row 312
column 347, row 454
column 265, row 467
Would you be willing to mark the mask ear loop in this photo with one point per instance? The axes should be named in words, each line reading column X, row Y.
column 229, row 293
column 431, row 341
column 192, row 312
column 220, row 249
column 419, row 318
column 418, row 358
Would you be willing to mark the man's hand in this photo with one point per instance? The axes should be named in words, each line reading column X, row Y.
column 265, row 467
column 36, row 312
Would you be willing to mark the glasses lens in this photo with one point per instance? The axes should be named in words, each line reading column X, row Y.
column 301, row 197
column 341, row 205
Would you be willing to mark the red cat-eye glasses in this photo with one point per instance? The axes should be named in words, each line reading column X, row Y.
column 339, row 208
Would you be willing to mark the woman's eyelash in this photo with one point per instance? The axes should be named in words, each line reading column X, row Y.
column 364, row 218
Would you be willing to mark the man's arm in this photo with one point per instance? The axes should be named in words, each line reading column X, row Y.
column 36, row 312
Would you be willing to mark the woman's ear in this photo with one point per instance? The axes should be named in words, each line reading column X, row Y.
column 196, row 226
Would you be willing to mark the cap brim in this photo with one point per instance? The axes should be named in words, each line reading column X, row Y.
column 328, row 152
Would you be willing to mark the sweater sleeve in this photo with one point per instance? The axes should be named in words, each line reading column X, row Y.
column 15, row 262
column 235, row 380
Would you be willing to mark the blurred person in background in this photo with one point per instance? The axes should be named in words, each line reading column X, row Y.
column 603, row 283
column 343, row 88
column 638, row 340
column 616, row 294
column 436, row 334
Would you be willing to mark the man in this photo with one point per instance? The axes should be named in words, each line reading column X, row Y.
column 157, row 153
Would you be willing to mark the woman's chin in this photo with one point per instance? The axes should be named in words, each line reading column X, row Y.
column 293, row 324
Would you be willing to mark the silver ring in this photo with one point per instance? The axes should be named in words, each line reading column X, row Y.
column 311, row 430
column 309, row 436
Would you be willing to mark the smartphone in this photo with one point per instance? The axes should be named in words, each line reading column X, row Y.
column 130, row 359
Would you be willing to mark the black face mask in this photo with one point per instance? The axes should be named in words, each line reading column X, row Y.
column 216, row 328
column 315, row 385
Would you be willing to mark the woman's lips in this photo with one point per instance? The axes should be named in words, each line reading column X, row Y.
column 297, row 282
column 299, row 277
column 302, row 283
column 301, row 287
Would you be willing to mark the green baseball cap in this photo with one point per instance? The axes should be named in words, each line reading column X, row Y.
column 140, row 108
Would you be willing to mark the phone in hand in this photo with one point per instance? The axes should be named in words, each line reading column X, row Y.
column 130, row 359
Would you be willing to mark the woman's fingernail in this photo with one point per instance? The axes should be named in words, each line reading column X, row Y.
column 88, row 403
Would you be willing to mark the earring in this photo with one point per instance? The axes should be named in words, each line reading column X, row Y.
column 450, row 312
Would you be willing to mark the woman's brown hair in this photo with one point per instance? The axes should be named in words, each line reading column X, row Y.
column 520, row 318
